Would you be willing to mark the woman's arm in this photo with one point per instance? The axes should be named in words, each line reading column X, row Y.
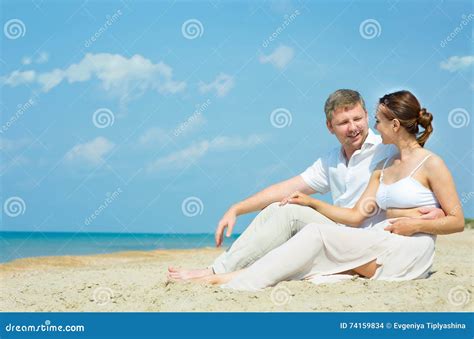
column 442, row 184
column 364, row 208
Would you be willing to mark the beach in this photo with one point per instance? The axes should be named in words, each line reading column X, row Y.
column 136, row 282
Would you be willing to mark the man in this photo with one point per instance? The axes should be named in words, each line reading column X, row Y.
column 345, row 172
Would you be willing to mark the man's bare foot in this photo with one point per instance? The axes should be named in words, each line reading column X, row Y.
column 182, row 274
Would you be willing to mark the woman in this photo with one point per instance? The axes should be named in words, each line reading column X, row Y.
column 400, row 249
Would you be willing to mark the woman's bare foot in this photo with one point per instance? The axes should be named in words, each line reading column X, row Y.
column 182, row 274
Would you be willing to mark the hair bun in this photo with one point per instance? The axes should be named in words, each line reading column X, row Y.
column 425, row 118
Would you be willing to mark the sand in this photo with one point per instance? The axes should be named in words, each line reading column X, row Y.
column 136, row 282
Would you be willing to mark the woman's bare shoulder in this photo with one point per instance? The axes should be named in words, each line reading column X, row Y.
column 435, row 164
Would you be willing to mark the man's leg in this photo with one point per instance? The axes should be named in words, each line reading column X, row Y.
column 220, row 262
column 272, row 227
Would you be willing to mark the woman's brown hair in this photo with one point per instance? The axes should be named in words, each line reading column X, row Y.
column 406, row 108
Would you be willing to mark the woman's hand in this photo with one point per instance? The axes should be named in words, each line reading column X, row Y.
column 403, row 226
column 297, row 198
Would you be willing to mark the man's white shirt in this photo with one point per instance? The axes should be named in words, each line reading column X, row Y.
column 347, row 180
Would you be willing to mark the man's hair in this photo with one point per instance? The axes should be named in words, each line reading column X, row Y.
column 342, row 98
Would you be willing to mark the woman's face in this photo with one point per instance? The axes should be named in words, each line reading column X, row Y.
column 384, row 126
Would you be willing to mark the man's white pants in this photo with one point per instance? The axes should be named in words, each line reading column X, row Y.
column 272, row 227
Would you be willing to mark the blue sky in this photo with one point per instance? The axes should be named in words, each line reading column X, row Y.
column 155, row 117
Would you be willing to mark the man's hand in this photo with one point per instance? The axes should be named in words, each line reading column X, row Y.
column 228, row 220
column 403, row 226
column 431, row 213
column 427, row 213
column 297, row 198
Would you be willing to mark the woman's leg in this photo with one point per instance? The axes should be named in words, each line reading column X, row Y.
column 296, row 258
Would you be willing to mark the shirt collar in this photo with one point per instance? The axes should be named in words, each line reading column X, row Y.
column 371, row 140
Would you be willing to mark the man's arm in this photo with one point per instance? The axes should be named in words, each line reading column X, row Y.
column 428, row 213
column 259, row 201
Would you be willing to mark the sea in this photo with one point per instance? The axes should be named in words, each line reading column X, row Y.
column 15, row 245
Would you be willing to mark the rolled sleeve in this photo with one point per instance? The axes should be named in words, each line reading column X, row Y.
column 316, row 176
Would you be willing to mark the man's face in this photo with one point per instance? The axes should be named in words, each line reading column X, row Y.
column 350, row 125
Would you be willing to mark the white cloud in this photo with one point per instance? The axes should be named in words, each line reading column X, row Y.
column 18, row 78
column 280, row 57
column 180, row 158
column 40, row 59
column 456, row 63
column 26, row 61
column 9, row 145
column 16, row 161
column 184, row 157
column 118, row 75
column 231, row 143
column 153, row 137
column 222, row 85
column 50, row 80
column 90, row 153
